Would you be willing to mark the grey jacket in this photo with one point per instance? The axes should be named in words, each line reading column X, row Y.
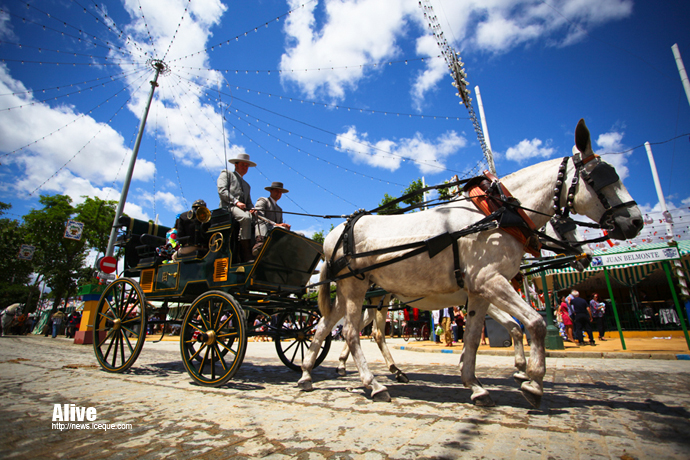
column 233, row 188
column 270, row 211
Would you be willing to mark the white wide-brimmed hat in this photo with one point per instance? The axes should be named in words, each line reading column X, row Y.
column 243, row 157
column 277, row 186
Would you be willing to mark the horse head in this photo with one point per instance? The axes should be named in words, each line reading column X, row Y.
column 601, row 196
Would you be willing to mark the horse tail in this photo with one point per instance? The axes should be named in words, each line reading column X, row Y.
column 324, row 294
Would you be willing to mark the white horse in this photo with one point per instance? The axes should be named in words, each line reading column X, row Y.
column 487, row 260
column 377, row 315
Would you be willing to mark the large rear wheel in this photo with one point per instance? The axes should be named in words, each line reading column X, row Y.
column 294, row 336
column 119, row 325
column 213, row 338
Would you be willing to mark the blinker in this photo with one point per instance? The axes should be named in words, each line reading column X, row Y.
column 603, row 175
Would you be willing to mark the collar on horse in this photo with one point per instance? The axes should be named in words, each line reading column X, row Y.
column 489, row 195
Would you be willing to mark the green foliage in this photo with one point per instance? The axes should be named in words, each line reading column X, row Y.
column 15, row 274
column 320, row 236
column 390, row 209
column 414, row 186
column 97, row 216
column 444, row 193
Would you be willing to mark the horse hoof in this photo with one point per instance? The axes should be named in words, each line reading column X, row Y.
column 402, row 378
column 483, row 401
column 531, row 394
column 381, row 396
column 305, row 385
column 341, row 372
column 520, row 377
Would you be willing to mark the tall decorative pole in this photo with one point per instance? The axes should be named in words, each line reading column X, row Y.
column 668, row 220
column 681, row 70
column 485, row 129
column 159, row 67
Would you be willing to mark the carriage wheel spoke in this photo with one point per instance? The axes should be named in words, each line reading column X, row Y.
column 105, row 338
column 197, row 352
column 115, row 341
column 129, row 345
column 227, row 348
column 230, row 316
column 112, row 340
column 229, row 334
column 203, row 361
column 220, row 357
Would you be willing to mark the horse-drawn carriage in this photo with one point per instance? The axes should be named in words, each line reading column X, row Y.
column 217, row 299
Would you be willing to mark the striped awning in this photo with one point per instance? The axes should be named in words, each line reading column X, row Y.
column 626, row 274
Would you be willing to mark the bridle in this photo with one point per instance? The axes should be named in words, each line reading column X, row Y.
column 601, row 176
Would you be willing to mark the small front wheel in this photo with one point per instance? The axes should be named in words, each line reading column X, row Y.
column 119, row 325
column 213, row 338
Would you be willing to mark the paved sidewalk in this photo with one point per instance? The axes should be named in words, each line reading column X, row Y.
column 662, row 346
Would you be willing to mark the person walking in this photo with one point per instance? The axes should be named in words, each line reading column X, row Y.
column 598, row 309
column 567, row 320
column 460, row 324
column 446, row 321
column 58, row 317
column 582, row 320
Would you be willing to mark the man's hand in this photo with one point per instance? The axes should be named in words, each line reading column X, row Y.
column 241, row 205
column 285, row 226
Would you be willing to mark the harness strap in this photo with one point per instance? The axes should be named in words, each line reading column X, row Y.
column 488, row 194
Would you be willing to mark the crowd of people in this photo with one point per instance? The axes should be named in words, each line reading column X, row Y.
column 575, row 316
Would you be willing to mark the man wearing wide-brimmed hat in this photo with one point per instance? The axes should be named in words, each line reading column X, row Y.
column 235, row 196
column 267, row 207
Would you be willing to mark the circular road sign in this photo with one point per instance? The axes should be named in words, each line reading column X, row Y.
column 108, row 264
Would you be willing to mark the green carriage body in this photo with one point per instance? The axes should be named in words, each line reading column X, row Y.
column 223, row 301
column 286, row 262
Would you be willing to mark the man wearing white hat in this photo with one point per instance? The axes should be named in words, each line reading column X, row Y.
column 235, row 196
column 267, row 207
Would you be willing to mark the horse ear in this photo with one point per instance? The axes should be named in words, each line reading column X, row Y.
column 582, row 139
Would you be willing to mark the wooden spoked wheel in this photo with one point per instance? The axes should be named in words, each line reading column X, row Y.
column 213, row 338
column 294, row 337
column 119, row 325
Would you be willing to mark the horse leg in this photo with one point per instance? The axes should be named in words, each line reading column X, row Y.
column 351, row 294
column 501, row 293
column 476, row 312
column 380, row 337
column 324, row 328
column 513, row 328
column 367, row 318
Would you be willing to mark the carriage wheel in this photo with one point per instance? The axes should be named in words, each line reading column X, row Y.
column 215, row 330
column 406, row 332
column 424, row 333
column 119, row 325
column 294, row 336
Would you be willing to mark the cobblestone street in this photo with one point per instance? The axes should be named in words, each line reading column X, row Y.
column 592, row 408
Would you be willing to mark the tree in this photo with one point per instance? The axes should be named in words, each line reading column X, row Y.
column 389, row 209
column 15, row 273
column 57, row 259
column 97, row 216
column 415, row 199
column 319, row 236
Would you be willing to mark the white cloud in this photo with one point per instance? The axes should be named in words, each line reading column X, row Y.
column 527, row 150
column 498, row 26
column 354, row 32
column 427, row 155
column 65, row 150
column 611, row 142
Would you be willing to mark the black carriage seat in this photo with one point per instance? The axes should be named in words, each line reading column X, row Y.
column 137, row 252
column 221, row 219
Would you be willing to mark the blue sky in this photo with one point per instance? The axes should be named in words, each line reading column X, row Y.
column 342, row 101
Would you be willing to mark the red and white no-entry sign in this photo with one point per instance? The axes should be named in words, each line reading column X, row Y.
column 108, row 264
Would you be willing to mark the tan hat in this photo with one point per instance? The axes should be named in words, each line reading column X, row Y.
column 243, row 157
column 276, row 186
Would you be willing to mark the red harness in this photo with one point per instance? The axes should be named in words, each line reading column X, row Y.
column 489, row 199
